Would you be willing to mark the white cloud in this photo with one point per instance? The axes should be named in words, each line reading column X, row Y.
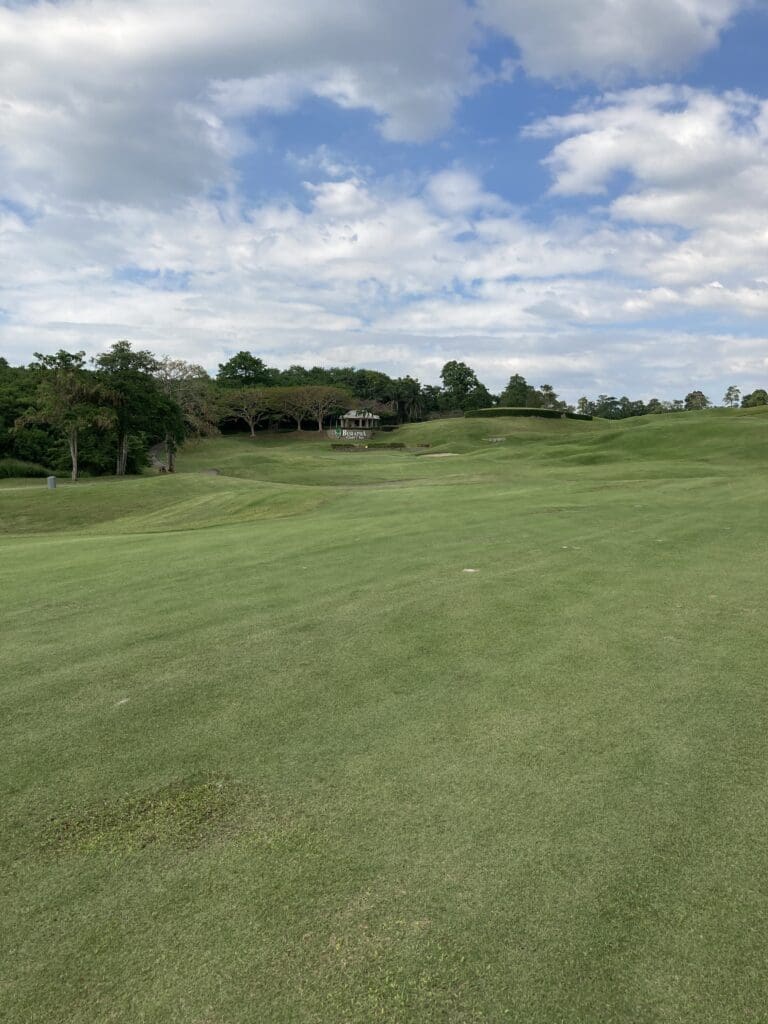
column 695, row 161
column 119, row 125
column 137, row 102
column 368, row 273
column 609, row 39
column 140, row 101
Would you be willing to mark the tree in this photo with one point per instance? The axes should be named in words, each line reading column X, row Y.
column 517, row 392
column 732, row 396
column 758, row 397
column 458, row 378
column 69, row 399
column 584, row 406
column 696, row 400
column 251, row 405
column 140, row 406
column 549, row 399
column 608, row 407
column 309, row 401
column 462, row 389
column 190, row 388
column 245, row 371
column 411, row 402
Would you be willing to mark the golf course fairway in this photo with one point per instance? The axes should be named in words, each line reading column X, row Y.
column 271, row 752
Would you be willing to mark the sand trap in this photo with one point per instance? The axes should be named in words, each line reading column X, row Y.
column 439, row 455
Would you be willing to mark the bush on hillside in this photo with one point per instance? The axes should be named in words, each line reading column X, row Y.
column 550, row 414
column 18, row 468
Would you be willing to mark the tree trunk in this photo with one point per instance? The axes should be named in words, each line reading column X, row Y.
column 252, row 425
column 122, row 454
column 73, row 452
column 170, row 455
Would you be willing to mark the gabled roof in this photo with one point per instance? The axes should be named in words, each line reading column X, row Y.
column 360, row 414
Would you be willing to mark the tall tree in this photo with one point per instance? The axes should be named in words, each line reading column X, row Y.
column 755, row 398
column 69, row 399
column 245, row 370
column 461, row 388
column 696, row 400
column 732, row 396
column 141, row 408
column 516, row 393
column 190, row 388
column 411, row 402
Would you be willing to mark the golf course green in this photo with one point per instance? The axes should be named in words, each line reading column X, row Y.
column 303, row 736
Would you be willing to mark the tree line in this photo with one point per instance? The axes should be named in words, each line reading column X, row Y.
column 114, row 413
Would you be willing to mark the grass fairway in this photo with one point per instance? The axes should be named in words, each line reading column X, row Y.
column 270, row 754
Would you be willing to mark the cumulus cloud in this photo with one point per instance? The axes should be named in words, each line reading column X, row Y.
column 142, row 102
column 120, row 125
column 695, row 160
column 364, row 272
column 609, row 39
column 139, row 101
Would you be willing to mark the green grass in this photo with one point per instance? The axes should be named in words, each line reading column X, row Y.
column 270, row 754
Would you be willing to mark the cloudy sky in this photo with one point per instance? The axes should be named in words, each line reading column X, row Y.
column 576, row 190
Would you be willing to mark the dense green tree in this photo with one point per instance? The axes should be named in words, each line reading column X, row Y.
column 757, row 397
column 517, row 392
column 410, row 401
column 245, row 370
column 142, row 411
column 69, row 399
column 696, row 400
column 461, row 388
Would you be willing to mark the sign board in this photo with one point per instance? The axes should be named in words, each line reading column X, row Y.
column 351, row 435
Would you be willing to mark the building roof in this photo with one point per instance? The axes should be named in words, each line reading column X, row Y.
column 360, row 414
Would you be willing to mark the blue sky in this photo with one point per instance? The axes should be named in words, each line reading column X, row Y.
column 576, row 190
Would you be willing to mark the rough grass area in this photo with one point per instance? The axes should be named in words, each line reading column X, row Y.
column 182, row 813
column 270, row 751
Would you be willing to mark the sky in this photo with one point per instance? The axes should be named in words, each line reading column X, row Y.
column 574, row 190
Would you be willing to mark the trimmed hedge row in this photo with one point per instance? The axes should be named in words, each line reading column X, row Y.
column 349, row 446
column 549, row 414
column 17, row 468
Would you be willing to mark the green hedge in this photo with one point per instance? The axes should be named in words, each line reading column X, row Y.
column 349, row 446
column 18, row 468
column 548, row 414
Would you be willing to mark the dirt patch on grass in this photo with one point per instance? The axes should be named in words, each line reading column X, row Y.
column 184, row 813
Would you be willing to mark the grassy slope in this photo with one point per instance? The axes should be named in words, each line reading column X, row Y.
column 533, row 793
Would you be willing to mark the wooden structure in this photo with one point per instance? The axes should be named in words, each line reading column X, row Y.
column 359, row 419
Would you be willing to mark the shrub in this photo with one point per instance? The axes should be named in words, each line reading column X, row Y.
column 348, row 446
column 18, row 468
column 548, row 414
